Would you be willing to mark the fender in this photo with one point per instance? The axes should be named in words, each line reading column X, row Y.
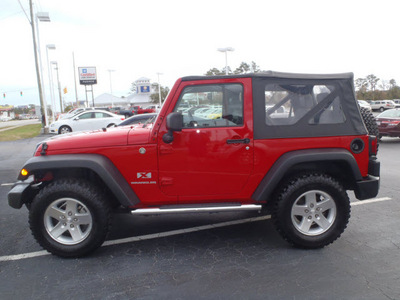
column 99, row 164
column 290, row 159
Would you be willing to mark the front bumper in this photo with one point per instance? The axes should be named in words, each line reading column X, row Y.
column 21, row 193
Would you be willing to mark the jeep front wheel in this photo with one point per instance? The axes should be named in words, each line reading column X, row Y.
column 311, row 211
column 69, row 218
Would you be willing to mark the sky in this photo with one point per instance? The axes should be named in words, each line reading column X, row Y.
column 180, row 38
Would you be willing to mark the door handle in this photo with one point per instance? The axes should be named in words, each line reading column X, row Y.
column 238, row 141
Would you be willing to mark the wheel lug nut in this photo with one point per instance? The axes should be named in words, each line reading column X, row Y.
column 317, row 216
column 72, row 226
column 306, row 211
column 75, row 219
column 311, row 205
column 64, row 224
column 309, row 217
column 70, row 213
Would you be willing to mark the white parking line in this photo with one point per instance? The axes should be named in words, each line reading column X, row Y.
column 371, row 201
column 24, row 255
column 174, row 232
column 6, row 184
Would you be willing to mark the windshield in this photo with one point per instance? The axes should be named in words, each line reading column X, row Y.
column 151, row 120
column 391, row 113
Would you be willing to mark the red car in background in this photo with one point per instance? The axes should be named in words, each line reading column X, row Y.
column 389, row 123
column 137, row 110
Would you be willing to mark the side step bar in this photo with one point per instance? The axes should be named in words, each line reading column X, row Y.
column 173, row 209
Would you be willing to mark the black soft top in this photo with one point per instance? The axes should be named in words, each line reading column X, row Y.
column 351, row 124
column 274, row 74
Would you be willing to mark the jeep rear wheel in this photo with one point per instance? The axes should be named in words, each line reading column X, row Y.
column 311, row 211
column 69, row 218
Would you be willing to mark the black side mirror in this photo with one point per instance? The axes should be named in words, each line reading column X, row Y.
column 174, row 123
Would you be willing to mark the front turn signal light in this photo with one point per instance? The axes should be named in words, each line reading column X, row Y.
column 24, row 172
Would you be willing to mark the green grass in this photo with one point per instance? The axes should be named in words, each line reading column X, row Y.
column 23, row 132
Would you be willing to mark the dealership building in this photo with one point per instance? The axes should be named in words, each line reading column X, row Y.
column 141, row 97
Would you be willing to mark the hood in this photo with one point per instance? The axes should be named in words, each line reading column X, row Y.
column 81, row 142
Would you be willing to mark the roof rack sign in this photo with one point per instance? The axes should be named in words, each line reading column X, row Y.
column 87, row 75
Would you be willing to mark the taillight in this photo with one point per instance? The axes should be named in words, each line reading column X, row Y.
column 373, row 145
column 393, row 123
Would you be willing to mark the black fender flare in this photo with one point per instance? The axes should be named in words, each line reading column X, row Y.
column 290, row 159
column 99, row 164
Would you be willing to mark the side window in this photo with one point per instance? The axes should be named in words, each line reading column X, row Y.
column 286, row 104
column 211, row 105
column 332, row 111
column 85, row 116
column 101, row 115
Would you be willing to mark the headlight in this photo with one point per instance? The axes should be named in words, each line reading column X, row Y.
column 37, row 146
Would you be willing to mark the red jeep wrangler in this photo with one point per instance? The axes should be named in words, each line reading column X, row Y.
column 289, row 143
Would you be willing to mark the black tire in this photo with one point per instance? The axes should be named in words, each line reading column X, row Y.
column 311, row 210
column 381, row 109
column 70, row 218
column 64, row 129
column 369, row 121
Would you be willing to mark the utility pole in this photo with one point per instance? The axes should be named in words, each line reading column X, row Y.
column 39, row 81
column 59, row 88
column 76, row 91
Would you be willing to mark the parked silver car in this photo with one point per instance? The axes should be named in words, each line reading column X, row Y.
column 381, row 105
column 364, row 104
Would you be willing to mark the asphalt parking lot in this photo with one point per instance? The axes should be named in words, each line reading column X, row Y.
column 218, row 256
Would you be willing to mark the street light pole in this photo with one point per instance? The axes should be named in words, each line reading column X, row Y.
column 43, row 17
column 59, row 86
column 51, row 47
column 226, row 49
column 38, row 76
column 159, row 88
column 112, row 101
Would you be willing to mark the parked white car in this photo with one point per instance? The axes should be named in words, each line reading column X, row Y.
column 396, row 102
column 381, row 105
column 364, row 104
column 78, row 110
column 87, row 120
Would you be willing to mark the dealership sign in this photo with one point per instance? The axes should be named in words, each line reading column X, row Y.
column 87, row 75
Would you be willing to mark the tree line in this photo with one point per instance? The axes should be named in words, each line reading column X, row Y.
column 373, row 88
column 242, row 69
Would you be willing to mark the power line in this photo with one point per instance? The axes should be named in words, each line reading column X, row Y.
column 23, row 9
